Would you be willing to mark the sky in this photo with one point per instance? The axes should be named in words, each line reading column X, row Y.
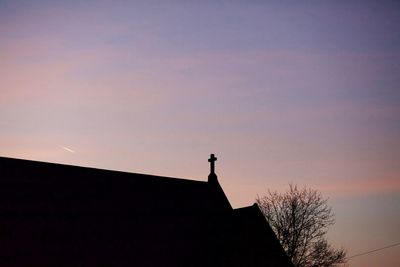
column 281, row 91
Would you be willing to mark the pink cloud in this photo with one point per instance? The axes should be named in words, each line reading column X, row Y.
column 362, row 186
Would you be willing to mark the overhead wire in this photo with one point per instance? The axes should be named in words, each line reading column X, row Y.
column 374, row 250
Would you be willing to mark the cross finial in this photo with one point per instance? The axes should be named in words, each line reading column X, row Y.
column 212, row 161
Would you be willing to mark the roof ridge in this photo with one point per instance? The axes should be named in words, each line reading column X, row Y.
column 56, row 164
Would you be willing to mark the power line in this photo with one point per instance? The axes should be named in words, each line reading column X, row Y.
column 371, row 251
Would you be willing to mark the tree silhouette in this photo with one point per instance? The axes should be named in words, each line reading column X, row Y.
column 300, row 219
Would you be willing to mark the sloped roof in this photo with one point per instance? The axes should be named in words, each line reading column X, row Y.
column 258, row 241
column 60, row 215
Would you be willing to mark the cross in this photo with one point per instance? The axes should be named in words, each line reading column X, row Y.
column 212, row 161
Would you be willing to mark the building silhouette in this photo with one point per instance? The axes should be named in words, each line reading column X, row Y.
column 61, row 215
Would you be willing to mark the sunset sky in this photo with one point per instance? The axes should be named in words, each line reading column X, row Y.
column 281, row 91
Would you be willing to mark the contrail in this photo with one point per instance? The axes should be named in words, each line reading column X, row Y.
column 67, row 149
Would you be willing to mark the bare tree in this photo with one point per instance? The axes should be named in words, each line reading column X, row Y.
column 300, row 219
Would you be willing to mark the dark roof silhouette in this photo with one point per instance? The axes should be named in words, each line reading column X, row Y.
column 60, row 215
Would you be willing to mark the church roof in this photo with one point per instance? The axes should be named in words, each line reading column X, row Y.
column 61, row 215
